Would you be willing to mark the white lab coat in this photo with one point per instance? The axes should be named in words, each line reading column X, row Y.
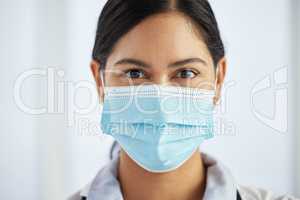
column 220, row 184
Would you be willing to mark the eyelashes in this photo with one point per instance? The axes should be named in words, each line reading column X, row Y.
column 134, row 73
column 185, row 73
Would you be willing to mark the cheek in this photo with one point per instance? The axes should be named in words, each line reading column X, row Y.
column 113, row 77
column 207, row 84
column 211, row 77
column 117, row 81
column 206, row 80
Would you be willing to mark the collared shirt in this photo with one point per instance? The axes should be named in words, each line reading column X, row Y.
column 220, row 184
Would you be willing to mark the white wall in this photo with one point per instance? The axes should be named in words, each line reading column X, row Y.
column 18, row 139
column 86, row 151
column 258, row 39
column 297, row 64
column 47, row 154
column 51, row 51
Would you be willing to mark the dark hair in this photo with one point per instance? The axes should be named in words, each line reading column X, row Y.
column 119, row 16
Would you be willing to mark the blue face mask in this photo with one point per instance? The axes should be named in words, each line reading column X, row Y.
column 159, row 127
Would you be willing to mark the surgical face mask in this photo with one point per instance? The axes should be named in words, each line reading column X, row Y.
column 159, row 127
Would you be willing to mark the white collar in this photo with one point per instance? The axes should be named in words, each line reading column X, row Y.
column 220, row 183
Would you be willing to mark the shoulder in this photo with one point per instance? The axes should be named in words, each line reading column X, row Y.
column 254, row 193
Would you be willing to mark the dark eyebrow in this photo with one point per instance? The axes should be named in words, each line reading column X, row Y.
column 187, row 61
column 133, row 61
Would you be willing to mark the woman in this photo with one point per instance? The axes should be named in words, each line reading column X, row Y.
column 159, row 67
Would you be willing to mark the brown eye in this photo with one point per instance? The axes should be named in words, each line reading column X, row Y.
column 135, row 73
column 187, row 73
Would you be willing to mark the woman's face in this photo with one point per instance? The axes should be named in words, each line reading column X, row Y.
column 164, row 49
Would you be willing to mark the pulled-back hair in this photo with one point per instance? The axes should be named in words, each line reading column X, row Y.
column 119, row 16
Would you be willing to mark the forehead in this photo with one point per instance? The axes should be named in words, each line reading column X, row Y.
column 161, row 37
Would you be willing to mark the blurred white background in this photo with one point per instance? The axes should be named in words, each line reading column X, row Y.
column 57, row 150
